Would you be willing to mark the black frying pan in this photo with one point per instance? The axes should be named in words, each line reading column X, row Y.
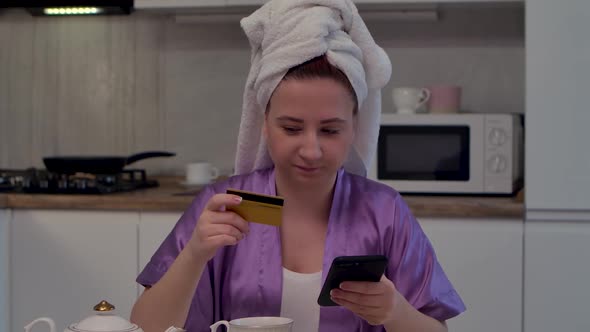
column 97, row 165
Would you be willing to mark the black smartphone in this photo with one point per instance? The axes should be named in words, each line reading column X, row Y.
column 351, row 268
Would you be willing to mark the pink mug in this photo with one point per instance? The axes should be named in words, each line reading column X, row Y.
column 444, row 99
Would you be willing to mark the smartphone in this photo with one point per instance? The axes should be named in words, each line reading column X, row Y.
column 351, row 268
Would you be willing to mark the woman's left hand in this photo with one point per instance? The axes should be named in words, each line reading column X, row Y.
column 375, row 302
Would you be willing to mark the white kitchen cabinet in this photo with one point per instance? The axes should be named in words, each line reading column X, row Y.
column 196, row 4
column 64, row 262
column 557, row 115
column 177, row 4
column 483, row 260
column 557, row 276
column 261, row 2
column 431, row 1
column 4, row 270
column 153, row 229
column 557, row 240
column 246, row 2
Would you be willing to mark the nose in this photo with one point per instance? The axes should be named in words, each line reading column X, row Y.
column 310, row 149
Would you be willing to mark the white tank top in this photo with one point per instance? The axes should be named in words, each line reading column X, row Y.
column 300, row 299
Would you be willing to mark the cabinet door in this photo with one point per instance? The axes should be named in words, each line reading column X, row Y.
column 246, row 2
column 430, row 1
column 64, row 262
column 557, row 115
column 483, row 260
column 4, row 270
column 153, row 229
column 261, row 2
column 557, row 275
column 177, row 4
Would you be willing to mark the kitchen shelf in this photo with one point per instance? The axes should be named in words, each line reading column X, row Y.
column 181, row 6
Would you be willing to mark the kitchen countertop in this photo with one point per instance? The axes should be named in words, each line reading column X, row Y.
column 172, row 196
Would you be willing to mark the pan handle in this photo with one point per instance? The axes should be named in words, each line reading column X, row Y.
column 149, row 154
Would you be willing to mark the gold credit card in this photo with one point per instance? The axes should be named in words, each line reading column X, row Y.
column 263, row 209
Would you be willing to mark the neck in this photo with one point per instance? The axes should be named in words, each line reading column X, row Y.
column 314, row 200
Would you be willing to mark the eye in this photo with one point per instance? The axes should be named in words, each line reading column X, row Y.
column 291, row 130
column 330, row 131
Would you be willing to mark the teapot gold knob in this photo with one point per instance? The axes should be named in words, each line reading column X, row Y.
column 104, row 306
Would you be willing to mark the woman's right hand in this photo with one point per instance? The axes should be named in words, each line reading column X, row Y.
column 217, row 227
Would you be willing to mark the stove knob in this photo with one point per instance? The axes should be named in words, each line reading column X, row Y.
column 497, row 137
column 497, row 164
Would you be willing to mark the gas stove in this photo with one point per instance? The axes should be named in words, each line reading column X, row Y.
column 40, row 181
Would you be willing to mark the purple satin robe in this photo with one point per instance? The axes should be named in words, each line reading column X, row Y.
column 366, row 218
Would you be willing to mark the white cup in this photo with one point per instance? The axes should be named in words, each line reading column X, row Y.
column 408, row 100
column 260, row 324
column 200, row 173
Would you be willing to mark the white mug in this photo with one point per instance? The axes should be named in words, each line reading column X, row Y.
column 200, row 173
column 259, row 324
column 408, row 100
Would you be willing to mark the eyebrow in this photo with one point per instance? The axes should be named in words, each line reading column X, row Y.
column 297, row 120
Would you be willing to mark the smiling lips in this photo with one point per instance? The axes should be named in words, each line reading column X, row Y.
column 307, row 170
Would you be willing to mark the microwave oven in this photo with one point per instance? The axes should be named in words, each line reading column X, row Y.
column 463, row 153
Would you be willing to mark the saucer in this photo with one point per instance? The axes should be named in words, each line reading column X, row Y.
column 192, row 185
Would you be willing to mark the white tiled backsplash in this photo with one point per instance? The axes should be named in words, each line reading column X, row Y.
column 118, row 85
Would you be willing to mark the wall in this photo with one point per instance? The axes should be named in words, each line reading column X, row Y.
column 118, row 85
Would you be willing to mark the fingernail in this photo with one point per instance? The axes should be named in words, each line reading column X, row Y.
column 238, row 199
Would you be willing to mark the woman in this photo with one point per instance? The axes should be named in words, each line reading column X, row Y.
column 215, row 265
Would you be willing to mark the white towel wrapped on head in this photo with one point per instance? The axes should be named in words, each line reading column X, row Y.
column 287, row 33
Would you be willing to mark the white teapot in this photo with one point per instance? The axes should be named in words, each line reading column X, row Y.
column 104, row 320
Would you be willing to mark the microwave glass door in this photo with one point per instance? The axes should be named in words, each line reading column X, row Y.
column 418, row 152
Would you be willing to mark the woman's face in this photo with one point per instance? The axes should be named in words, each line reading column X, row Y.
column 309, row 128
